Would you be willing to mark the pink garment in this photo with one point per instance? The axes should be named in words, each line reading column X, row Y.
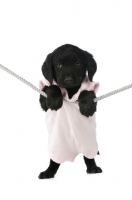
column 70, row 132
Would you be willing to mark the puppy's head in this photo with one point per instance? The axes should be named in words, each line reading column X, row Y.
column 68, row 65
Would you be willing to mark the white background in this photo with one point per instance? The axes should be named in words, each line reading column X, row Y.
column 29, row 30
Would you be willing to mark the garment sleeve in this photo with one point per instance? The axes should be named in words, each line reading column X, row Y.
column 93, row 86
column 43, row 83
column 96, row 87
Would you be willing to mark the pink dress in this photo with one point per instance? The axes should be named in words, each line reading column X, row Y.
column 70, row 132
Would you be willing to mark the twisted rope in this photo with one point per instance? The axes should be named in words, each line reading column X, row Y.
column 23, row 80
column 44, row 94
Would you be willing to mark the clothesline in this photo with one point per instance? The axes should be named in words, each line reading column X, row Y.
column 44, row 94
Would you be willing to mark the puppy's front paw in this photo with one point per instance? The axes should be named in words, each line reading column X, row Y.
column 54, row 103
column 54, row 99
column 86, row 104
column 87, row 110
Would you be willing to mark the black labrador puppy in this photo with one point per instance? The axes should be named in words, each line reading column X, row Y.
column 68, row 65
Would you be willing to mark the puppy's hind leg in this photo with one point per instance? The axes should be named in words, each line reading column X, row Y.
column 50, row 171
column 92, row 168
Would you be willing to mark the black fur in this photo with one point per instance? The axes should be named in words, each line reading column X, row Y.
column 50, row 171
column 68, row 66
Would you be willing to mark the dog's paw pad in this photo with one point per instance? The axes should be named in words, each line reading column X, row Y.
column 94, row 170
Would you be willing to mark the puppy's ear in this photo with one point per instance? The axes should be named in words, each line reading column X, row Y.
column 91, row 65
column 47, row 68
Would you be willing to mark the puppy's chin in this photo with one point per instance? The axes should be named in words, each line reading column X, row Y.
column 64, row 85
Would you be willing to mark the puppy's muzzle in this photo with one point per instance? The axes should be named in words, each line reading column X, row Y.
column 68, row 80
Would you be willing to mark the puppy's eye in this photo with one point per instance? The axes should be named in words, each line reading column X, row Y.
column 77, row 64
column 59, row 65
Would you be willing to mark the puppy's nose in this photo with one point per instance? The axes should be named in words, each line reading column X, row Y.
column 68, row 80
